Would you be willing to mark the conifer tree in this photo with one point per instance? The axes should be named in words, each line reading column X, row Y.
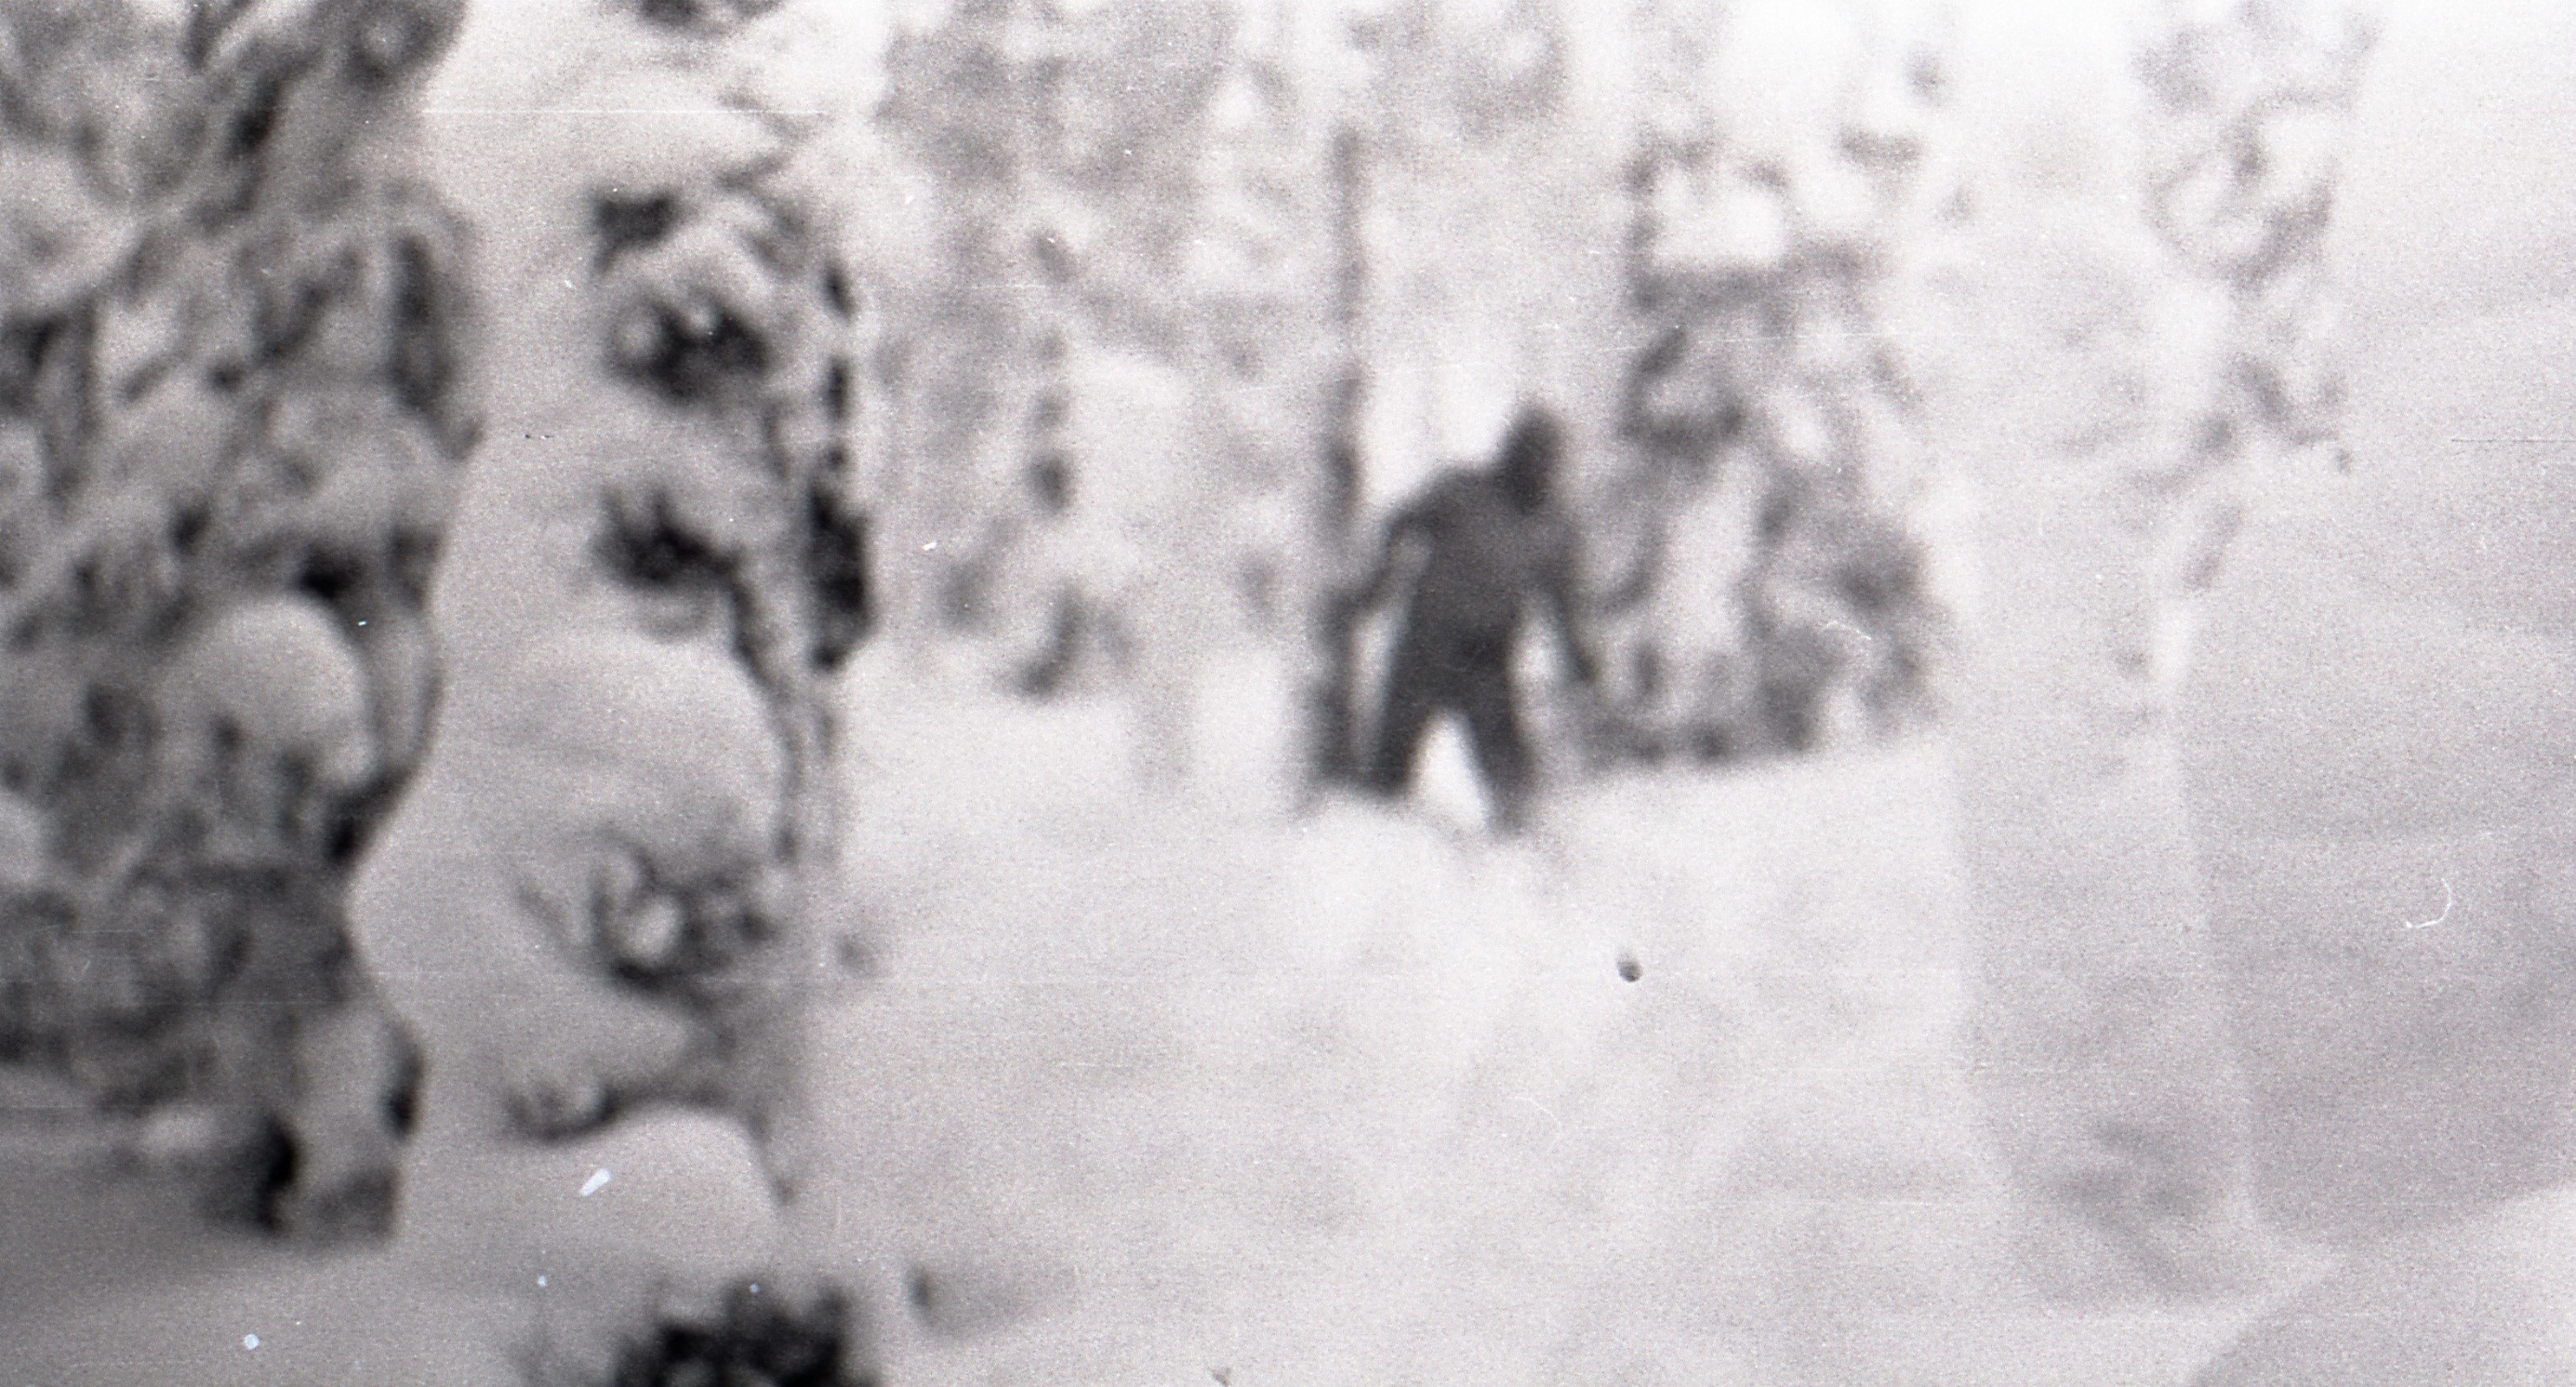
column 240, row 413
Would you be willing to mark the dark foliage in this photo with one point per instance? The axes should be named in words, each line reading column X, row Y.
column 764, row 1339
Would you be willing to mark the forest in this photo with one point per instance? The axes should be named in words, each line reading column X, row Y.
column 745, row 606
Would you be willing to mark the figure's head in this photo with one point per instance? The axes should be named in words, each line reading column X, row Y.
column 1527, row 463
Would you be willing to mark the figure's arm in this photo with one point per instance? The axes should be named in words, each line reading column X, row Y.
column 1560, row 583
column 1407, row 536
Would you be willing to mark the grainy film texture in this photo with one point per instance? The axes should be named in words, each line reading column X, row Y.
column 1284, row 691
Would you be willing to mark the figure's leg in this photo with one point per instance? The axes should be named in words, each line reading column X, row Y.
column 1412, row 693
column 1494, row 728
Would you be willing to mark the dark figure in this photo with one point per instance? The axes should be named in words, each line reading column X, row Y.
column 1477, row 547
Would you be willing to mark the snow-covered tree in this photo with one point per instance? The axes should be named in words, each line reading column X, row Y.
column 232, row 322
column 1784, row 594
column 2147, row 213
column 608, row 900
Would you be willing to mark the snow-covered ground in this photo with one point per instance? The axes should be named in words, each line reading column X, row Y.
column 1171, row 1088
column 1158, row 1086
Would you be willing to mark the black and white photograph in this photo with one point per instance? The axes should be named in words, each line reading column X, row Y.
column 1287, row 693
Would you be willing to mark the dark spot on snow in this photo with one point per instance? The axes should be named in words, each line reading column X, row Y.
column 1629, row 971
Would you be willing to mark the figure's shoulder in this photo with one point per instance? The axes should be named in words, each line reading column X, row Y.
column 1452, row 491
column 1548, row 538
column 1458, row 484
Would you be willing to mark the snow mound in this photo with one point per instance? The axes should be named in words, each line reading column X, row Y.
column 1146, row 1093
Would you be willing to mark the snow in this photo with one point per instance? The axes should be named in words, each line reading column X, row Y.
column 1152, row 1085
column 1363, row 1096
